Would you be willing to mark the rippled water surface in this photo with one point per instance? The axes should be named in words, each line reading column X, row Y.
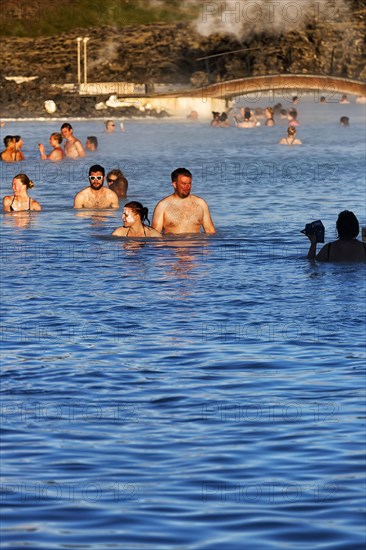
column 190, row 393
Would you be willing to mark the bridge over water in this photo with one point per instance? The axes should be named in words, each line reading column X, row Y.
column 219, row 96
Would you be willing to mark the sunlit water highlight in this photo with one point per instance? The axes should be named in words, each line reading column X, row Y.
column 195, row 393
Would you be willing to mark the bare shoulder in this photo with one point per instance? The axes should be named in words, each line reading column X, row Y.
column 80, row 197
column 6, row 202
column 84, row 191
column 110, row 193
column 198, row 200
column 35, row 205
column 323, row 253
column 165, row 201
column 120, row 231
column 152, row 232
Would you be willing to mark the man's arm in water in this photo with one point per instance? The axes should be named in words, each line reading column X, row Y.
column 114, row 198
column 78, row 200
column 79, row 147
column 207, row 223
column 158, row 217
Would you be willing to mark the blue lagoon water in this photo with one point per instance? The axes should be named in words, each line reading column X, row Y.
column 202, row 392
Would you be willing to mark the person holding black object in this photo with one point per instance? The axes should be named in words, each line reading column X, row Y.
column 346, row 248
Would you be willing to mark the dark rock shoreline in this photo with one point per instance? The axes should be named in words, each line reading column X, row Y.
column 163, row 53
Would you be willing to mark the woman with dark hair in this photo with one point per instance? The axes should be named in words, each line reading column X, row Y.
column 134, row 215
column 20, row 201
column 347, row 248
column 117, row 182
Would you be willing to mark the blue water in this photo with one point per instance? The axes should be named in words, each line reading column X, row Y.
column 195, row 393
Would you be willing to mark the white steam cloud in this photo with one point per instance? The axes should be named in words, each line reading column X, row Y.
column 244, row 18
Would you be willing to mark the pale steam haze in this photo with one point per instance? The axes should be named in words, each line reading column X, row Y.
column 248, row 17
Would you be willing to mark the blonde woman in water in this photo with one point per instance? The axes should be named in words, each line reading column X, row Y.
column 291, row 138
column 20, row 201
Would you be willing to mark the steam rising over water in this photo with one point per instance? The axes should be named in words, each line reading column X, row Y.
column 245, row 18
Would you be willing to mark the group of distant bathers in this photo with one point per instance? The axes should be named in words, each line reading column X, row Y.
column 73, row 147
column 246, row 117
column 179, row 213
column 249, row 118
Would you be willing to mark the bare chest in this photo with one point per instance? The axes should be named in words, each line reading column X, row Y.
column 71, row 150
column 96, row 200
column 186, row 215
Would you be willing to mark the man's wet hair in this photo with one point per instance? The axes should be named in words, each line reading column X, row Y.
column 347, row 225
column 7, row 140
column 96, row 168
column 180, row 172
column 93, row 140
column 66, row 125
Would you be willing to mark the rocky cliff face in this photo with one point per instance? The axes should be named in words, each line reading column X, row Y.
column 169, row 53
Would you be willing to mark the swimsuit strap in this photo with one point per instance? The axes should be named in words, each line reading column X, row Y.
column 329, row 245
column 11, row 204
column 130, row 228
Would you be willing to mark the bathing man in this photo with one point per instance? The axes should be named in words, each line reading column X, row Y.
column 182, row 212
column 73, row 146
column 96, row 196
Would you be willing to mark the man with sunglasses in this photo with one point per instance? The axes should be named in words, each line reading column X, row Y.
column 110, row 127
column 96, row 195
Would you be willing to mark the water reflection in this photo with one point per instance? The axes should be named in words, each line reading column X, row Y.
column 21, row 220
column 97, row 217
column 132, row 245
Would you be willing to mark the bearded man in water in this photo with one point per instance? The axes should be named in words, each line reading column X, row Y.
column 96, row 196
